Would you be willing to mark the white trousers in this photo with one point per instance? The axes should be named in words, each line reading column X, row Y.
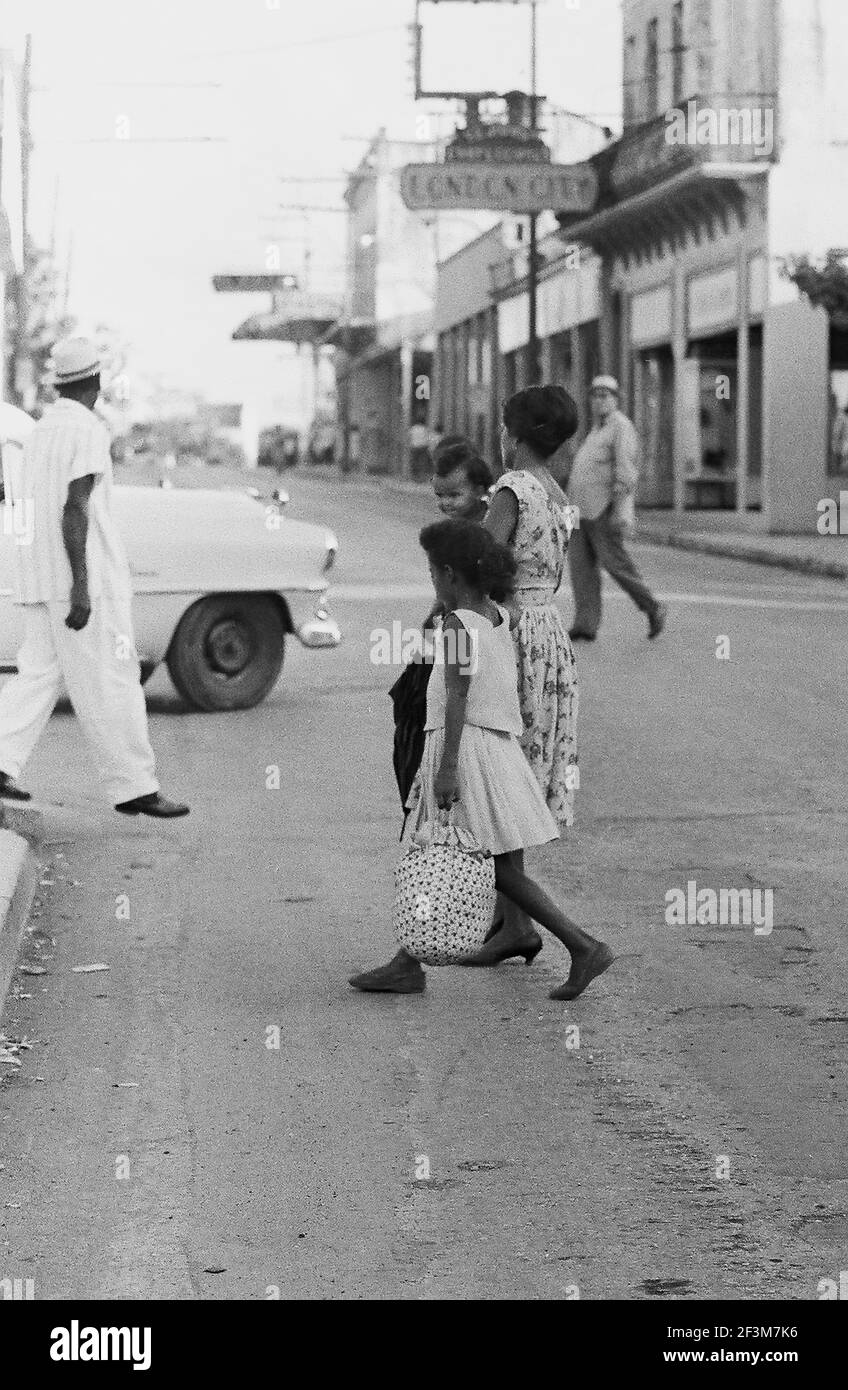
column 98, row 668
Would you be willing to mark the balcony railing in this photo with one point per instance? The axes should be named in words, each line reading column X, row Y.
column 720, row 128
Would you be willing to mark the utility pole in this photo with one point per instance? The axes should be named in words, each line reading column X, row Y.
column 22, row 371
column 533, row 363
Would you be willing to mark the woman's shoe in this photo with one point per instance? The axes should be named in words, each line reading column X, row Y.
column 496, row 950
column 401, row 975
column 584, row 970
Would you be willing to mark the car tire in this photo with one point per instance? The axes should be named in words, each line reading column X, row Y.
column 227, row 651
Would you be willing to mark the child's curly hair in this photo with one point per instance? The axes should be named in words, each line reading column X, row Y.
column 471, row 550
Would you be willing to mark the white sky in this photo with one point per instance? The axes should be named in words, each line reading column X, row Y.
column 148, row 224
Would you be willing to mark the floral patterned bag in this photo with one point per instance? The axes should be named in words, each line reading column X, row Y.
column 444, row 894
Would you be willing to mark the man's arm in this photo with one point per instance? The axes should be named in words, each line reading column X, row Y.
column 626, row 450
column 75, row 535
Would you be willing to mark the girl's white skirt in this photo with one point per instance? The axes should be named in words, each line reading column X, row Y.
column 499, row 797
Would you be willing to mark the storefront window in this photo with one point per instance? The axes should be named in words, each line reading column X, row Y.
column 485, row 354
column 837, row 464
column 711, row 391
column 473, row 360
column 654, row 412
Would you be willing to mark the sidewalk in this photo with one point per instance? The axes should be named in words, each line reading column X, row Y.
column 19, row 833
column 810, row 554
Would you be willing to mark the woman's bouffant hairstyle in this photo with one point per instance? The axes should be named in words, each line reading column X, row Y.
column 455, row 451
column 469, row 549
column 542, row 417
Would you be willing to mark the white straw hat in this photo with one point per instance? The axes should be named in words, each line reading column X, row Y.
column 604, row 383
column 74, row 359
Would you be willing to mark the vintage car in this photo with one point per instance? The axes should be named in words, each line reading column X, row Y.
column 221, row 578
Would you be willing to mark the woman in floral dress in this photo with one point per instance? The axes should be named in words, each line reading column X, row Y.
column 530, row 512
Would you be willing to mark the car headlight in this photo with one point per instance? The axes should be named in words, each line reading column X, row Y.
column 332, row 551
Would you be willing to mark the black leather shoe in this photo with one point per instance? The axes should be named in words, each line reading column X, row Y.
column 577, row 634
column 9, row 792
column 154, row 804
column 656, row 621
column 402, row 975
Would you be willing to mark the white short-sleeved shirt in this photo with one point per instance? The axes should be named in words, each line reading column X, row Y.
column 68, row 442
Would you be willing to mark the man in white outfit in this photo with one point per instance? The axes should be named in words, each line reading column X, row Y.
column 74, row 583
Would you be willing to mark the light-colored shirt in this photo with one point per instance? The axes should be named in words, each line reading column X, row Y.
column 493, row 691
column 605, row 467
column 68, row 442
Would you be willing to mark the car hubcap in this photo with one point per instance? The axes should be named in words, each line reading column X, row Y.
column 229, row 647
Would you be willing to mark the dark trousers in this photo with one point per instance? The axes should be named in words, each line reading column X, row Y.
column 597, row 545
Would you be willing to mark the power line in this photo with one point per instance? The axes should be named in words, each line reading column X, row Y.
column 141, row 140
column 298, row 43
column 74, row 86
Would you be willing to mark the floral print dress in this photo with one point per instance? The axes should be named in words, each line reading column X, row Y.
column 547, row 671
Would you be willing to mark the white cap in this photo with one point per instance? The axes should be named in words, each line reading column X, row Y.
column 74, row 359
column 604, row 383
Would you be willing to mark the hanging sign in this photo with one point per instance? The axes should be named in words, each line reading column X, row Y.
column 492, row 187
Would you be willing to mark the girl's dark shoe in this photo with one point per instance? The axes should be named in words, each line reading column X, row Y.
column 153, row 804
column 402, row 975
column 657, row 620
column 9, row 792
column 577, row 634
column 502, row 947
column 583, row 971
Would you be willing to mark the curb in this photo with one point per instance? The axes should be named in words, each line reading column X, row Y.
column 704, row 545
column 723, row 548
column 18, row 882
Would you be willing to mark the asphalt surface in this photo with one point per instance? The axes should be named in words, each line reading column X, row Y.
column 155, row 1142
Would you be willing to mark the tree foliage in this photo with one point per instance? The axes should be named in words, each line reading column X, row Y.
column 29, row 342
column 823, row 281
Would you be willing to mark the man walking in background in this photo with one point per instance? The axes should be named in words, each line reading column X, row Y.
column 74, row 583
column 602, row 486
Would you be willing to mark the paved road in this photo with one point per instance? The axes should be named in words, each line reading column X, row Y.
column 155, row 1142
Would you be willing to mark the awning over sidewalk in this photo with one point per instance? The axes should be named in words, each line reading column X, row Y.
column 297, row 318
column 698, row 198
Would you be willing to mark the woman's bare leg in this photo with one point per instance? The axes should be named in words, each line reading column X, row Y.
column 533, row 901
column 589, row 957
column 516, row 936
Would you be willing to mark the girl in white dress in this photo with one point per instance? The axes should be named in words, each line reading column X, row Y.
column 472, row 753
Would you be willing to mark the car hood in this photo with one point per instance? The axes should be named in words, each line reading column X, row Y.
column 185, row 539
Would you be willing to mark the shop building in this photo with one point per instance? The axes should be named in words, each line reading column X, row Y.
column 482, row 321
column 482, row 308
column 384, row 338
column 734, row 155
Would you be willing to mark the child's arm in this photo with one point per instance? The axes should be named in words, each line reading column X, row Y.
column 437, row 611
column 458, row 667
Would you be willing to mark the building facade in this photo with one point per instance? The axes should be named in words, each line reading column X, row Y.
column 733, row 156
column 482, row 329
column 384, row 338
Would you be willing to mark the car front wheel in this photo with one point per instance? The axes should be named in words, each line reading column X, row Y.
column 227, row 651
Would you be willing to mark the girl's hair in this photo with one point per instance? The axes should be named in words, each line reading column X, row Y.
column 471, row 550
column 454, row 451
column 542, row 417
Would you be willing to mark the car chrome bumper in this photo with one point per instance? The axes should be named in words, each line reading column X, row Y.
column 320, row 631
